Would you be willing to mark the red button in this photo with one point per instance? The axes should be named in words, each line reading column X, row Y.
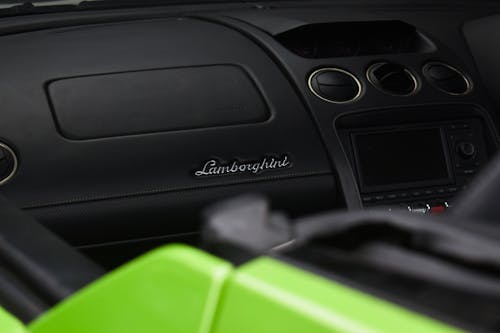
column 438, row 209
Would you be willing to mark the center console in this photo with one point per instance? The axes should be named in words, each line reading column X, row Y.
column 418, row 166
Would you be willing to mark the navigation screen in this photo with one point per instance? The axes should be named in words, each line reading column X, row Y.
column 388, row 159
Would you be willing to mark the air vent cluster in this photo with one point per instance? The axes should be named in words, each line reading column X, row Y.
column 340, row 86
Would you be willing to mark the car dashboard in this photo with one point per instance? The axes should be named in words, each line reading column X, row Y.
column 119, row 126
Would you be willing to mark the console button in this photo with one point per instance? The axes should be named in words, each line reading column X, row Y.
column 391, row 196
column 459, row 126
column 469, row 172
column 420, row 208
column 399, row 208
column 367, row 199
column 437, row 209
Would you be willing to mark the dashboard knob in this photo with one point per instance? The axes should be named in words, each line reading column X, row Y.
column 467, row 150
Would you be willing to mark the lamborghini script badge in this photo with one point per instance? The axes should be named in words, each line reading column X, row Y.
column 217, row 168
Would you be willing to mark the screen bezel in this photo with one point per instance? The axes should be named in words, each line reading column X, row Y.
column 407, row 185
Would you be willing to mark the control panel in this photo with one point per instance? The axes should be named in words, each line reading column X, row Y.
column 418, row 168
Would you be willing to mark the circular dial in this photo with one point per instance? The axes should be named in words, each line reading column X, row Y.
column 467, row 150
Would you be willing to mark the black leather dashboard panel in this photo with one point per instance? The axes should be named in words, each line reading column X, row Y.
column 72, row 177
column 142, row 102
column 55, row 170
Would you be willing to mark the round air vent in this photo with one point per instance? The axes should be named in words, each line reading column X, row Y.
column 393, row 79
column 8, row 163
column 447, row 78
column 334, row 85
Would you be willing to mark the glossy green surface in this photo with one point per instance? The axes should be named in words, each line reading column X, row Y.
column 10, row 324
column 266, row 295
column 172, row 289
column 184, row 290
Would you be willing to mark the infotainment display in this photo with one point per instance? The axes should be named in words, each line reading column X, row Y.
column 401, row 158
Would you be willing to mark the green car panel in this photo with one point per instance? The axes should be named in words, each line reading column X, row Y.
column 267, row 295
column 172, row 289
column 182, row 289
column 10, row 324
